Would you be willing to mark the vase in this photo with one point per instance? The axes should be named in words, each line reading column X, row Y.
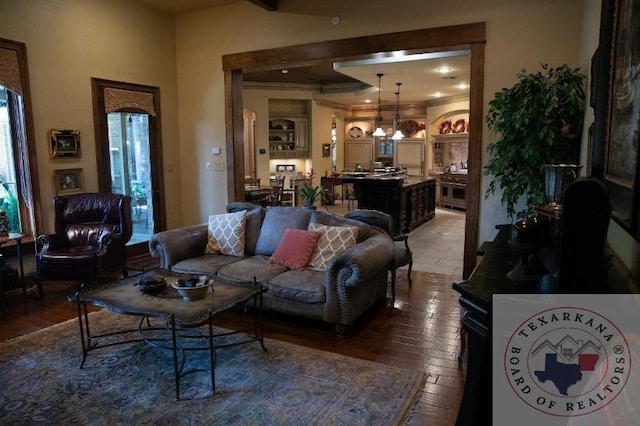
column 556, row 179
column 524, row 239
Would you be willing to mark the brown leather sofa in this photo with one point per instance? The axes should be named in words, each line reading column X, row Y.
column 354, row 281
column 91, row 232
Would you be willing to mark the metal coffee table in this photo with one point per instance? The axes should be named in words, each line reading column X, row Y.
column 183, row 319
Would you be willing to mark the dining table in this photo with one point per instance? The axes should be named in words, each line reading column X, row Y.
column 259, row 194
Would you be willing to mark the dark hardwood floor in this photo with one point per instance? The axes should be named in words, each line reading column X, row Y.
column 419, row 331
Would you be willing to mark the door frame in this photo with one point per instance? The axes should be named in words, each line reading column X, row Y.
column 103, row 159
column 249, row 117
column 467, row 36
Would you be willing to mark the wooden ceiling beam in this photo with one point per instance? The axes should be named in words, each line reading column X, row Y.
column 270, row 5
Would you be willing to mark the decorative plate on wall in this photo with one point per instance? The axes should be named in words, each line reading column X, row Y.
column 409, row 128
column 355, row 132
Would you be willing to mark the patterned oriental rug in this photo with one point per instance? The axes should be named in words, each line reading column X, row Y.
column 134, row 384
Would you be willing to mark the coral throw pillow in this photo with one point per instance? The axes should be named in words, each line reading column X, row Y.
column 295, row 248
column 226, row 234
column 333, row 240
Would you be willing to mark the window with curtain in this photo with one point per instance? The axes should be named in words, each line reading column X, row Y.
column 19, row 198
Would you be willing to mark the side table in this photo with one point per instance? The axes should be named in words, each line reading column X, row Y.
column 17, row 240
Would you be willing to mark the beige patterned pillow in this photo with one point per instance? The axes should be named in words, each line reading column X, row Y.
column 333, row 240
column 226, row 234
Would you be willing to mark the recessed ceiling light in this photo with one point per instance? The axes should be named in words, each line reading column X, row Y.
column 285, row 71
column 462, row 86
column 438, row 94
column 443, row 70
column 367, row 101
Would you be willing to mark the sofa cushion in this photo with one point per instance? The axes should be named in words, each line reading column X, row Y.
column 276, row 221
column 246, row 269
column 252, row 229
column 207, row 264
column 364, row 230
column 226, row 234
column 333, row 240
column 304, row 286
column 295, row 248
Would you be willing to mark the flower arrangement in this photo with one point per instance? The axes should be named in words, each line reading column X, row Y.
column 308, row 193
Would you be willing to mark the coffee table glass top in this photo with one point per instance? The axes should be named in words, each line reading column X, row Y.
column 125, row 297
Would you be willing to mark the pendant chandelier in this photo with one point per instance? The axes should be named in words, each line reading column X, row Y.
column 379, row 131
column 398, row 134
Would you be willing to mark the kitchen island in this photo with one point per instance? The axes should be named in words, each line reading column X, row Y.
column 410, row 200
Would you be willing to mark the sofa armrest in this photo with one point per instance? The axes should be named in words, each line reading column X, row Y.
column 178, row 244
column 357, row 277
column 364, row 259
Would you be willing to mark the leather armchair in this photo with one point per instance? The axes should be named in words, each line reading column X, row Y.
column 91, row 232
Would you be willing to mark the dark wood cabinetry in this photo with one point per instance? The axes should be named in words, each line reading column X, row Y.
column 420, row 203
column 410, row 201
column 581, row 269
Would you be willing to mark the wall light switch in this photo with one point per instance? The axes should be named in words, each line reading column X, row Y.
column 208, row 165
column 219, row 165
column 216, row 150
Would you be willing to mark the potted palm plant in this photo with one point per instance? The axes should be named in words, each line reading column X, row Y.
column 540, row 122
column 308, row 193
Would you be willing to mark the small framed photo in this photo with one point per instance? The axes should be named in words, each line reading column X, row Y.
column 64, row 143
column 326, row 150
column 69, row 181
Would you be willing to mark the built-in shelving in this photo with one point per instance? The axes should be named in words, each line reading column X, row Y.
column 288, row 137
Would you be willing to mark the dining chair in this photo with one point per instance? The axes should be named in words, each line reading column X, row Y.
column 276, row 198
column 252, row 182
column 350, row 196
column 402, row 252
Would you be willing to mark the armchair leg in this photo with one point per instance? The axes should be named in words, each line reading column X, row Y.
column 409, row 271
column 39, row 288
column 393, row 284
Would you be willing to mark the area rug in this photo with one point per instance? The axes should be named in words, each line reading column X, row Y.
column 142, row 263
column 42, row 383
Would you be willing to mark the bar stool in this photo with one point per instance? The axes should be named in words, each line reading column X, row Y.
column 350, row 196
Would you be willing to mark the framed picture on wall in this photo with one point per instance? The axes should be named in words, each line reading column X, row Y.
column 64, row 143
column 616, row 158
column 68, row 181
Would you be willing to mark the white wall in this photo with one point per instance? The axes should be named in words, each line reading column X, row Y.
column 520, row 34
column 70, row 41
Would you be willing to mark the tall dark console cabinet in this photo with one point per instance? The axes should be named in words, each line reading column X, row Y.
column 580, row 269
column 487, row 279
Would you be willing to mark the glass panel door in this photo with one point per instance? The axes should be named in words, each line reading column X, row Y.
column 8, row 182
column 131, row 168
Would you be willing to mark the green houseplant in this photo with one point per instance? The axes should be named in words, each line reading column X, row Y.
column 540, row 122
column 308, row 193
